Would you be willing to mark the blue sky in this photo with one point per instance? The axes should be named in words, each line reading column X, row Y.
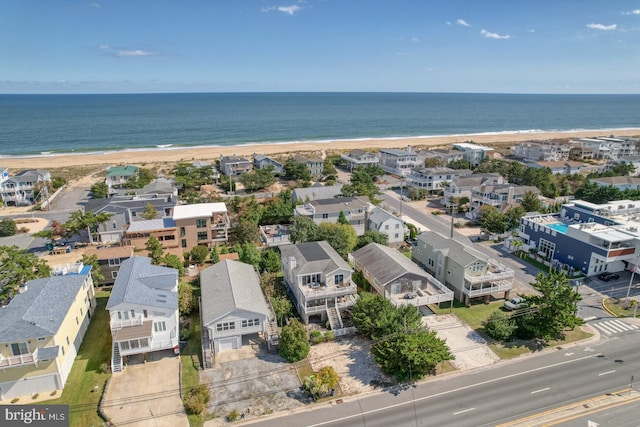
column 121, row 46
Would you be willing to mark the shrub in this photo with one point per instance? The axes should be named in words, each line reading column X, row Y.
column 316, row 337
column 8, row 227
column 294, row 345
column 35, row 396
column 499, row 326
column 184, row 334
column 329, row 336
column 234, row 415
column 104, row 368
column 15, row 399
column 196, row 398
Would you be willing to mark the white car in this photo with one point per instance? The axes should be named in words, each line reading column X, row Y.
column 515, row 303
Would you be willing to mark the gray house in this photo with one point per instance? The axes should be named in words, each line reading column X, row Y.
column 397, row 278
column 320, row 282
column 260, row 161
column 24, row 188
column 467, row 272
column 315, row 192
column 386, row 223
column 232, row 306
column 328, row 210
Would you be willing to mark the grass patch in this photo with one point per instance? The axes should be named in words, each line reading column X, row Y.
column 619, row 307
column 474, row 316
column 85, row 374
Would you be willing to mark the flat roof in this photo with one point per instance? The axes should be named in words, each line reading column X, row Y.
column 198, row 210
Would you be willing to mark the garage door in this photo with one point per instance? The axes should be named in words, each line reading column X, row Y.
column 28, row 387
column 227, row 344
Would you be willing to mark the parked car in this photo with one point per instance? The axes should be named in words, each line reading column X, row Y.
column 515, row 303
column 607, row 275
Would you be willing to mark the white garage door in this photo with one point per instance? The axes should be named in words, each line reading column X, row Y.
column 227, row 344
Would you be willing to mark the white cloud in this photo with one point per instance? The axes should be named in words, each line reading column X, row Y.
column 96, row 5
column 462, row 22
column 490, row 35
column 531, row 30
column 602, row 27
column 136, row 52
column 415, row 39
column 290, row 10
column 633, row 12
column 105, row 46
column 448, row 23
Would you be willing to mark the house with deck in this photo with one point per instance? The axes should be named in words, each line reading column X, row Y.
column 357, row 157
column 41, row 330
column 143, row 311
column 320, row 283
column 233, row 309
column 467, row 272
column 235, row 166
column 397, row 278
column 24, row 188
column 328, row 210
column 399, row 162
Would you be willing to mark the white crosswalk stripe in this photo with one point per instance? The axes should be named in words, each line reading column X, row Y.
column 614, row 326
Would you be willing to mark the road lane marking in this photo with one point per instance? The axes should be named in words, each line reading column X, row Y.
column 606, row 373
column 542, row 389
column 463, row 411
column 444, row 393
column 586, row 319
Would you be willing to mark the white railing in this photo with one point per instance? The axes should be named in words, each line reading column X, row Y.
column 119, row 324
column 491, row 277
column 345, row 331
column 327, row 291
column 23, row 359
column 64, row 269
column 500, row 287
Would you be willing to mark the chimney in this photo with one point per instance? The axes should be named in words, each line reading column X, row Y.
column 292, row 262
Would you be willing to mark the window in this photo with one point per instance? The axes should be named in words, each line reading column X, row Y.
column 201, row 223
column 144, row 342
column 114, row 274
column 67, row 340
column 81, row 312
column 42, row 339
column 396, row 236
column 125, row 315
column 62, row 350
column 77, row 321
column 338, row 279
column 225, row 326
column 145, row 313
column 397, row 226
column 182, row 232
column 134, row 213
column 134, row 344
column 183, row 243
column 250, row 322
column 430, row 262
column 202, row 235
column 114, row 262
column 386, row 227
column 19, row 348
column 325, row 215
column 133, row 313
column 159, row 326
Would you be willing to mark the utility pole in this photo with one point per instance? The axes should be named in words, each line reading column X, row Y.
column 453, row 211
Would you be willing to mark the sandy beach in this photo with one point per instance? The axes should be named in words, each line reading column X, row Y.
column 212, row 153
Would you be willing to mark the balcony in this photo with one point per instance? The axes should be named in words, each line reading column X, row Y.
column 321, row 290
column 15, row 361
column 126, row 323
column 490, row 288
column 507, row 274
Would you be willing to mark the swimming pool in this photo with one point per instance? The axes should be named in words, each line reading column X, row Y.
column 559, row 226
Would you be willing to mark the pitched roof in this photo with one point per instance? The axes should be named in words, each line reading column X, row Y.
column 198, row 210
column 617, row 180
column 453, row 249
column 314, row 257
column 140, row 282
column 316, row 192
column 40, row 310
column 338, row 204
column 386, row 264
column 110, row 252
column 229, row 286
column 378, row 215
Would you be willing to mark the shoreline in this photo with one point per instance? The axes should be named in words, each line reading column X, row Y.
column 212, row 152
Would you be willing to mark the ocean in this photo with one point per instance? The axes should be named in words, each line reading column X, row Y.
column 56, row 124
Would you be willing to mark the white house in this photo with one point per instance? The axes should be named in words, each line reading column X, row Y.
column 386, row 223
column 143, row 310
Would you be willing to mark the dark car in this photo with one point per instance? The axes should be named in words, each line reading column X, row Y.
column 607, row 275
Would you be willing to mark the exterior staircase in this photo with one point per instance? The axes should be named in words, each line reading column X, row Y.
column 272, row 334
column 116, row 359
column 335, row 320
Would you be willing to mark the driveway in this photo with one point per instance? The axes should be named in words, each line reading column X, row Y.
column 147, row 394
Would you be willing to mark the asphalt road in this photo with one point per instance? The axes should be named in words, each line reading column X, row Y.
column 498, row 394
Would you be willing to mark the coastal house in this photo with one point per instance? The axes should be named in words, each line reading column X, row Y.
column 41, row 330
column 320, row 283
column 4, row 174
column 163, row 229
column 118, row 176
column 157, row 188
column 234, row 165
column 399, row 162
column 546, row 151
column 315, row 164
column 260, row 161
column 500, row 196
column 603, row 149
column 397, row 278
column 461, row 186
column 275, row 234
column 356, row 158
column 633, row 161
column 443, row 155
column 25, row 188
column 201, row 224
column 385, row 222
column 233, row 308
column 467, row 272
column 143, row 310
column 473, row 153
column 110, row 258
column 578, row 152
column 328, row 210
column 434, row 180
column 585, row 238
column 315, row 192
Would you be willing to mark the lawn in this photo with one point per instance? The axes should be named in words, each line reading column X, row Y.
column 477, row 314
column 620, row 307
column 80, row 391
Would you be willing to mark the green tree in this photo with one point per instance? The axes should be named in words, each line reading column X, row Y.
column 556, row 307
column 154, row 247
column 411, row 355
column 371, row 236
column 296, row 171
column 92, row 260
column 258, row 179
column 141, row 178
column 282, row 308
column 499, row 326
column 8, row 227
column 270, row 261
column 303, row 230
column 249, row 254
column 341, row 237
column 279, row 210
column 199, row 254
column 174, row 261
column 530, row 202
column 243, row 231
column 189, row 177
column 322, row 382
column 149, row 212
column 16, row 268
column 492, row 221
column 512, row 216
column 342, row 219
column 99, row 190
column 79, row 220
column 215, row 256
column 362, row 183
column 293, row 344
column 186, row 299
